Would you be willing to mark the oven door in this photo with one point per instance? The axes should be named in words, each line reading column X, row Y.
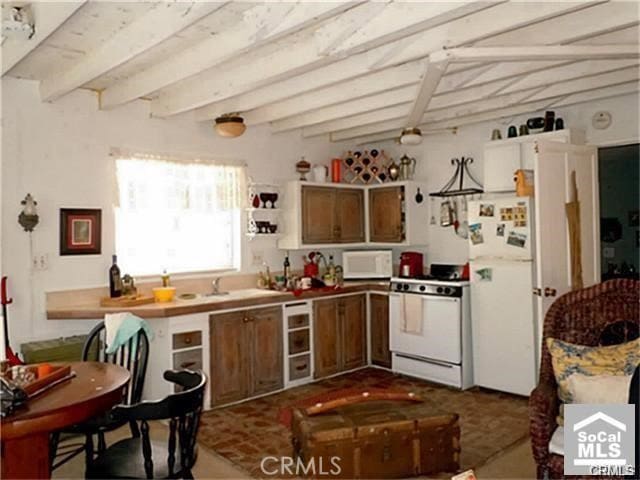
column 440, row 334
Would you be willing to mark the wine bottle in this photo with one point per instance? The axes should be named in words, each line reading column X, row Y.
column 115, row 281
column 287, row 268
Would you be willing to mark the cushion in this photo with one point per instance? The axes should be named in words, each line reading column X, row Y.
column 556, row 444
column 568, row 359
column 599, row 389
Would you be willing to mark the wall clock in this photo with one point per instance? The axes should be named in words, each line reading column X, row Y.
column 601, row 120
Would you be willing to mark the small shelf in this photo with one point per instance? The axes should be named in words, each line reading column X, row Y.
column 263, row 235
column 260, row 209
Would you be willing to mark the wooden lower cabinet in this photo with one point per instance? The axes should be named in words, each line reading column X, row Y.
column 340, row 334
column 379, row 318
column 246, row 354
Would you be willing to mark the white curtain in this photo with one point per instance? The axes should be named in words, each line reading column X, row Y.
column 176, row 213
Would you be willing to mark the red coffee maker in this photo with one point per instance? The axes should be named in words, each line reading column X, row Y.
column 411, row 264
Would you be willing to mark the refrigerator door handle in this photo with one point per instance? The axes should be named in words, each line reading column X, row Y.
column 537, row 291
column 549, row 292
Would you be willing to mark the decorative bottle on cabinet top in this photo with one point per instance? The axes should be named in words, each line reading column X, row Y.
column 115, row 281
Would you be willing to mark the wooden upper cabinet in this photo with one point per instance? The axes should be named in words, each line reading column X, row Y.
column 229, row 358
column 385, row 215
column 352, row 311
column 379, row 314
column 326, row 334
column 350, row 213
column 319, row 215
column 266, row 350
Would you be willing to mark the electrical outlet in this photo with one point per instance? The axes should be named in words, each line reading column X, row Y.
column 40, row 262
column 258, row 258
column 608, row 252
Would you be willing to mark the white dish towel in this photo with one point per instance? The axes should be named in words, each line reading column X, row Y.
column 412, row 314
column 112, row 322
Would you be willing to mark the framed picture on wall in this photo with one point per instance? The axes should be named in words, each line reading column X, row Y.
column 80, row 231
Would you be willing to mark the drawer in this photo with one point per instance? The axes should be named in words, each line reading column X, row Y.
column 191, row 359
column 297, row 321
column 187, row 339
column 299, row 341
column 299, row 367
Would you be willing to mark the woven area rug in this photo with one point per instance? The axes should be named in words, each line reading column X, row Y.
column 490, row 422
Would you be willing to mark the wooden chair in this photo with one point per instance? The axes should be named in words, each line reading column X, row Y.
column 133, row 356
column 604, row 314
column 140, row 457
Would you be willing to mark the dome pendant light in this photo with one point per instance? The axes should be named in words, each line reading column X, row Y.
column 230, row 125
column 411, row 136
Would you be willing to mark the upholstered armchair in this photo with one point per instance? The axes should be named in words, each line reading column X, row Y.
column 604, row 314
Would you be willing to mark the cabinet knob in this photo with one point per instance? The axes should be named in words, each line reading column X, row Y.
column 549, row 292
column 187, row 340
column 537, row 291
column 245, row 319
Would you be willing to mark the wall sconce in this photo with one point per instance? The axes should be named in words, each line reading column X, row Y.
column 28, row 218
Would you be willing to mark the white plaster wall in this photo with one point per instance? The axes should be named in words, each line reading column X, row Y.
column 436, row 151
column 59, row 153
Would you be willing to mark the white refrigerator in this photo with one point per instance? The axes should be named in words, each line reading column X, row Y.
column 503, row 309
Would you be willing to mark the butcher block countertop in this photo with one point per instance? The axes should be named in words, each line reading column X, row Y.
column 241, row 298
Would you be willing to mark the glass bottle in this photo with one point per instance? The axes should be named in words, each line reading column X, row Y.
column 115, row 281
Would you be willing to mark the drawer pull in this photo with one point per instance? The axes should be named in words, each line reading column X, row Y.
column 187, row 340
column 187, row 364
column 301, row 367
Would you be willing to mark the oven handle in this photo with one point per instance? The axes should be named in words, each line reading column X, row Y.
column 425, row 360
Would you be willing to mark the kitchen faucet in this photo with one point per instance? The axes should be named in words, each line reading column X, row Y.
column 216, row 285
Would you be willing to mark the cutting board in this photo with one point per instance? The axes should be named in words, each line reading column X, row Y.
column 126, row 301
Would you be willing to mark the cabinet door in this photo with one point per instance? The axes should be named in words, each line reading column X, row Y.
column 326, row 337
column 350, row 212
column 353, row 319
column 229, row 357
column 385, row 215
column 265, row 326
column 379, row 314
column 319, row 215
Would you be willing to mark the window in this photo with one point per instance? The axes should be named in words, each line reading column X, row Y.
column 177, row 215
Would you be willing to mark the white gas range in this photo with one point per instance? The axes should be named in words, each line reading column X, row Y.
column 430, row 327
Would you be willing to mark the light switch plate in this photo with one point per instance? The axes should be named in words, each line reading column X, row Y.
column 608, row 252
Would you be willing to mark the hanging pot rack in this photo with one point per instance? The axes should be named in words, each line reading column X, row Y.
column 458, row 177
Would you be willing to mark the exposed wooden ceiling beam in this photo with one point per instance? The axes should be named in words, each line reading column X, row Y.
column 402, row 75
column 452, row 98
column 261, row 24
column 47, row 17
column 598, row 94
column 401, row 19
column 476, row 107
column 507, row 20
column 163, row 21
column 537, row 53
column 347, row 109
column 428, row 85
column 292, row 59
column 483, row 24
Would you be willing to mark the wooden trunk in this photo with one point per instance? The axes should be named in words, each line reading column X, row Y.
column 379, row 439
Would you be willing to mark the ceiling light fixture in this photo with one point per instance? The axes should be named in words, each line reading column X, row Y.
column 230, row 125
column 411, row 136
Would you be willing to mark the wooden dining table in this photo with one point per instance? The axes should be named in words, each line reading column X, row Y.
column 24, row 438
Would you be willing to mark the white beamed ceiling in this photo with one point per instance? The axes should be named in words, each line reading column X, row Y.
column 358, row 71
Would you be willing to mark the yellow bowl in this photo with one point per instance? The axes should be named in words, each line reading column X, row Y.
column 164, row 294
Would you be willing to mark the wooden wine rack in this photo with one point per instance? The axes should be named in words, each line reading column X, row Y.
column 367, row 166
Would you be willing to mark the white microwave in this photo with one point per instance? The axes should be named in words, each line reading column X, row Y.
column 362, row 264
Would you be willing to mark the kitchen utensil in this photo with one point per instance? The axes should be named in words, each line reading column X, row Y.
column 445, row 213
column 273, row 228
column 524, row 130
column 265, row 198
column 336, row 170
column 164, row 294
column 303, row 167
column 272, row 198
column 496, row 135
column 394, row 171
column 411, row 264
column 432, row 220
column 549, row 120
column 419, row 197
column 512, row 132
column 407, row 167
column 320, row 173
column 255, row 201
